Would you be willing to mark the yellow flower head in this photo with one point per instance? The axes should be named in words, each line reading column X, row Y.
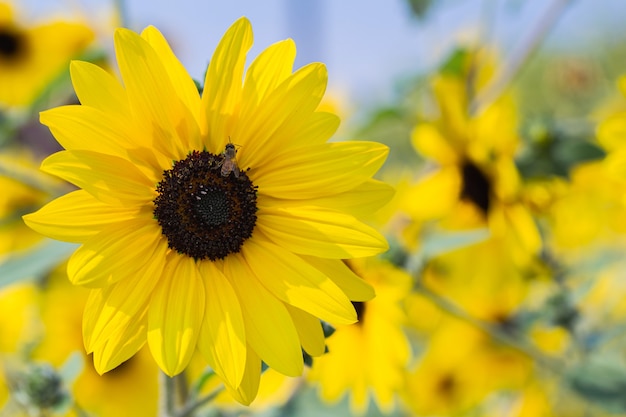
column 368, row 358
column 476, row 183
column 32, row 55
column 216, row 221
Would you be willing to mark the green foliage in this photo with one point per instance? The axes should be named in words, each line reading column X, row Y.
column 34, row 263
column 601, row 381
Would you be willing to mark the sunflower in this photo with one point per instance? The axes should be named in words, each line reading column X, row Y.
column 216, row 221
column 33, row 55
column 475, row 182
column 368, row 358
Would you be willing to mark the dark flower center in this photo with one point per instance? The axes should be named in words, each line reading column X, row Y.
column 203, row 212
column 476, row 186
column 359, row 307
column 13, row 44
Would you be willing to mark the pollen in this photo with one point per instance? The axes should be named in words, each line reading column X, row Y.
column 202, row 213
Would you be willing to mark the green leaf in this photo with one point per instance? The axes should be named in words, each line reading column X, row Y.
column 601, row 381
column 456, row 63
column 419, row 8
column 34, row 263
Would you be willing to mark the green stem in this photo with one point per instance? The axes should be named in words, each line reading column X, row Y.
column 189, row 409
column 513, row 341
column 120, row 5
column 503, row 79
column 166, row 395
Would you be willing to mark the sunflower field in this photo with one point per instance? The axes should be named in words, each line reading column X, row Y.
column 443, row 238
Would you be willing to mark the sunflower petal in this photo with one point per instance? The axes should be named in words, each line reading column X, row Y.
column 152, row 97
column 320, row 232
column 222, row 86
column 110, row 179
column 268, row 70
column 88, row 128
column 286, row 110
column 355, row 287
column 75, row 217
column 309, row 330
column 115, row 253
column 270, row 330
column 175, row 315
column 110, row 310
column 310, row 172
column 185, row 87
column 222, row 339
column 121, row 346
column 98, row 89
column 246, row 392
column 295, row 282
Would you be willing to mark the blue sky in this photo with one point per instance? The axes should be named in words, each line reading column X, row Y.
column 366, row 44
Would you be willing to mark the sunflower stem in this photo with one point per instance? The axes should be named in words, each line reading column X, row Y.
column 120, row 6
column 173, row 394
column 509, row 72
column 514, row 341
column 189, row 409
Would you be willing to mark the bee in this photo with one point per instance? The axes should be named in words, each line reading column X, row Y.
column 229, row 163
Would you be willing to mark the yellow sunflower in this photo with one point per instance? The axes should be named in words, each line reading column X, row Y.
column 216, row 221
column 475, row 183
column 33, row 55
column 368, row 358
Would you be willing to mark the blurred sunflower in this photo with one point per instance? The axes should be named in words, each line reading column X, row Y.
column 476, row 183
column 33, row 55
column 191, row 240
column 459, row 368
column 40, row 328
column 109, row 395
column 368, row 358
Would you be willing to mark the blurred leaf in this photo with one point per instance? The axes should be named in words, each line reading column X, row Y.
column 34, row 263
column 419, row 8
column 554, row 151
column 444, row 242
column 601, row 381
column 456, row 63
column 71, row 368
column 31, row 176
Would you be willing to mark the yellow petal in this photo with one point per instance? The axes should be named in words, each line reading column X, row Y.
column 75, row 217
column 122, row 346
column 110, row 310
column 286, row 110
column 175, row 314
column 223, row 83
column 98, row 89
column 108, row 178
column 269, row 328
column 222, row 339
column 269, row 69
column 309, row 330
column 247, row 391
column 182, row 81
column 295, row 282
column 152, row 97
column 362, row 201
column 320, row 232
column 115, row 253
column 318, row 170
column 355, row 287
column 428, row 141
column 88, row 128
